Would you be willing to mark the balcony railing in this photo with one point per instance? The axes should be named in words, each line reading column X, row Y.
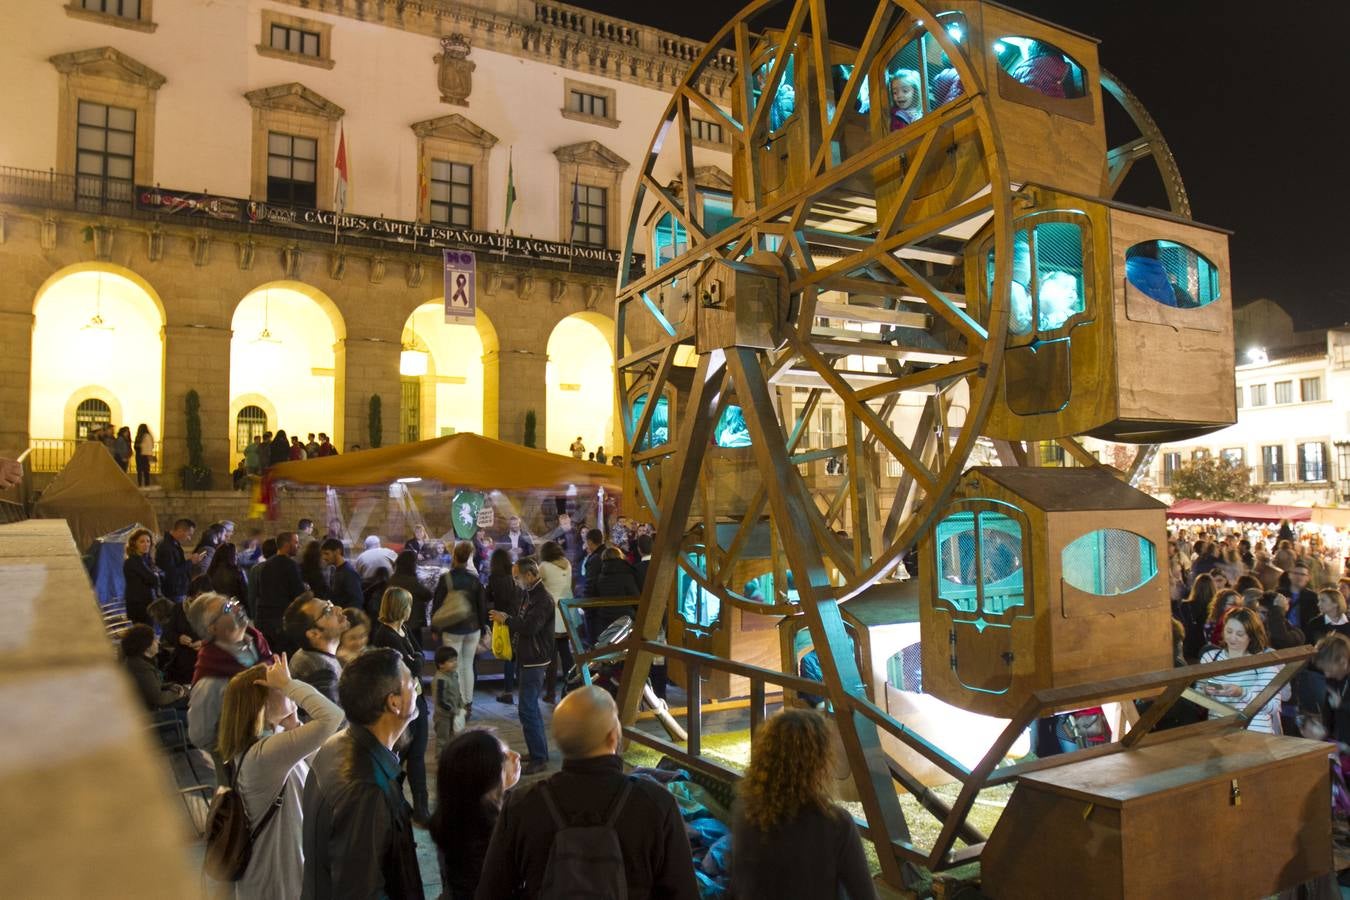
column 52, row 454
column 87, row 193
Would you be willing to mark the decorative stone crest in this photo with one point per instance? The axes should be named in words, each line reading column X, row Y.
column 415, row 273
column 456, row 72
column 247, row 249
column 154, row 243
column 377, row 267
column 337, row 265
column 524, row 286
column 290, row 260
column 557, row 287
column 201, row 248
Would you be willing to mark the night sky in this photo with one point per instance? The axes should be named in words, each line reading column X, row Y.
column 1251, row 98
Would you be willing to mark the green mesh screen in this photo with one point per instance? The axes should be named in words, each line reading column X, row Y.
column 1047, row 277
column 1172, row 274
column 1041, row 66
column 658, row 432
column 919, row 77
column 696, row 606
column 1109, row 561
column 992, row 581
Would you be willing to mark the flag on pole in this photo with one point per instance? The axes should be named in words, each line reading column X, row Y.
column 576, row 205
column 423, row 188
column 340, row 183
column 510, row 189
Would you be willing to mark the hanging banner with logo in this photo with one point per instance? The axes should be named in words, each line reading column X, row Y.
column 459, row 284
column 466, row 507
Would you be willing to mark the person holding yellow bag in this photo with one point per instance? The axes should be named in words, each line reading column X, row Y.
column 502, row 595
column 532, row 638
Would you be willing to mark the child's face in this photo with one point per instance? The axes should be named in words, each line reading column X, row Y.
column 449, row 665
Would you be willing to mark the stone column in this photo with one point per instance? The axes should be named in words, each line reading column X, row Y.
column 522, row 387
column 16, row 367
column 366, row 367
column 196, row 358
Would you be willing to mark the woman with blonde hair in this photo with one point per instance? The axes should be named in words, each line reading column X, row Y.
column 790, row 839
column 267, row 754
column 391, row 631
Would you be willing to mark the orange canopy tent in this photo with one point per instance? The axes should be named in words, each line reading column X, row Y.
column 458, row 460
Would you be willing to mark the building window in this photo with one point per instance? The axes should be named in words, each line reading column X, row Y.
column 292, row 167
column 123, row 9
column 1310, row 389
column 1312, row 462
column 1052, row 454
column 590, row 103
column 294, row 40
column 410, row 410
column 1234, row 456
column 1199, row 454
column 105, row 151
column 451, row 193
column 1258, row 395
column 1284, row 392
column 1343, row 467
column 1239, row 397
column 90, row 415
column 589, row 206
column 250, row 422
column 587, row 104
column 709, row 132
column 1272, row 463
column 1170, row 463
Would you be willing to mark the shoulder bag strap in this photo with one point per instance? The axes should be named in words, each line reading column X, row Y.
column 617, row 808
column 271, row 809
column 552, row 807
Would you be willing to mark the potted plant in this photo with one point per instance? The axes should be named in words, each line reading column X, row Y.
column 530, row 427
column 196, row 476
column 375, row 421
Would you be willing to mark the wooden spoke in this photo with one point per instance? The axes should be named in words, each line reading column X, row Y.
column 876, row 33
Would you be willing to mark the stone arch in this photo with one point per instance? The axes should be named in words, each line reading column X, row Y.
column 460, row 387
column 579, row 383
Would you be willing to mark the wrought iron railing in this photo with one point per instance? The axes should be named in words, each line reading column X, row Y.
column 52, row 454
column 86, row 193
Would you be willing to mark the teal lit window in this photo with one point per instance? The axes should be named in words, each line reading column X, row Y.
column 979, row 562
column 1041, row 66
column 1109, row 561
column 762, row 589
column 785, row 98
column 669, row 239
column 731, row 430
column 658, row 431
column 1047, row 277
column 841, row 74
column 904, row 670
column 717, row 214
column 696, row 606
column 920, row 77
column 1172, row 274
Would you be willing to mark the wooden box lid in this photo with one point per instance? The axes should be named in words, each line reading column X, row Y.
column 1171, row 767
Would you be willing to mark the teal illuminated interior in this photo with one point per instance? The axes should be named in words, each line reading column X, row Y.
column 762, row 589
column 731, row 430
column 1041, row 66
column 658, row 431
column 717, row 215
column 919, row 77
column 1047, row 282
column 698, row 607
column 785, row 97
column 1172, row 274
column 669, row 239
column 904, row 670
column 979, row 566
column 840, row 73
column 1108, row 562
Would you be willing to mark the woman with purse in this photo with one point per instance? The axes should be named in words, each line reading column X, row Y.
column 503, row 595
column 268, row 751
column 142, row 578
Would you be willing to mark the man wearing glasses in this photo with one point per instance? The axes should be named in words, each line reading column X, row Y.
column 315, row 626
column 230, row 644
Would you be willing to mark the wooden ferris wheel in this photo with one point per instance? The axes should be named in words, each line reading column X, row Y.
column 917, row 237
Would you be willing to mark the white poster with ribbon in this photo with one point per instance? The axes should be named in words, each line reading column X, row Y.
column 459, row 284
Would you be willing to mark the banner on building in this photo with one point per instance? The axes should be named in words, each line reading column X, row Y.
column 188, row 203
column 460, row 266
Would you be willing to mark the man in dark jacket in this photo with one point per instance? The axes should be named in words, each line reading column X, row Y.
column 1302, row 602
column 346, row 590
column 315, row 626
column 532, row 643
column 278, row 584
column 357, row 836
column 173, row 562
column 590, row 564
column 656, row 858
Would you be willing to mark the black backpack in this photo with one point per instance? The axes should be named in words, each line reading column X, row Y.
column 586, row 860
column 229, row 839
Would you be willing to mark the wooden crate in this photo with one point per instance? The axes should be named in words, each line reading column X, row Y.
column 1237, row 815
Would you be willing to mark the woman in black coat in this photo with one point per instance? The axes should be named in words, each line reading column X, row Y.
column 280, row 450
column 141, row 576
column 225, row 575
column 501, row 593
column 475, row 770
column 617, row 578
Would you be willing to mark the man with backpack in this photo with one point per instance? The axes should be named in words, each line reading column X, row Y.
column 590, row 830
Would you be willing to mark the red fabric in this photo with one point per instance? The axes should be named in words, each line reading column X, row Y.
column 1240, row 512
column 213, row 662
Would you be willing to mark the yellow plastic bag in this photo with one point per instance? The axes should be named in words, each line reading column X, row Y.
column 501, row 641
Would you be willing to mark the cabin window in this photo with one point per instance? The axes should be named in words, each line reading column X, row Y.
column 785, row 97
column 1108, row 562
column 695, row 605
column 669, row 239
column 1041, row 66
column 980, row 562
column 717, row 214
column 920, row 77
column 1047, row 277
column 1172, row 274
column 658, row 430
column 904, row 670
column 731, row 430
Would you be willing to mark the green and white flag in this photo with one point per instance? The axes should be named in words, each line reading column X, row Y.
column 510, row 190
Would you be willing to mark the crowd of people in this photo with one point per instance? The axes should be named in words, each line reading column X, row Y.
column 125, row 448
